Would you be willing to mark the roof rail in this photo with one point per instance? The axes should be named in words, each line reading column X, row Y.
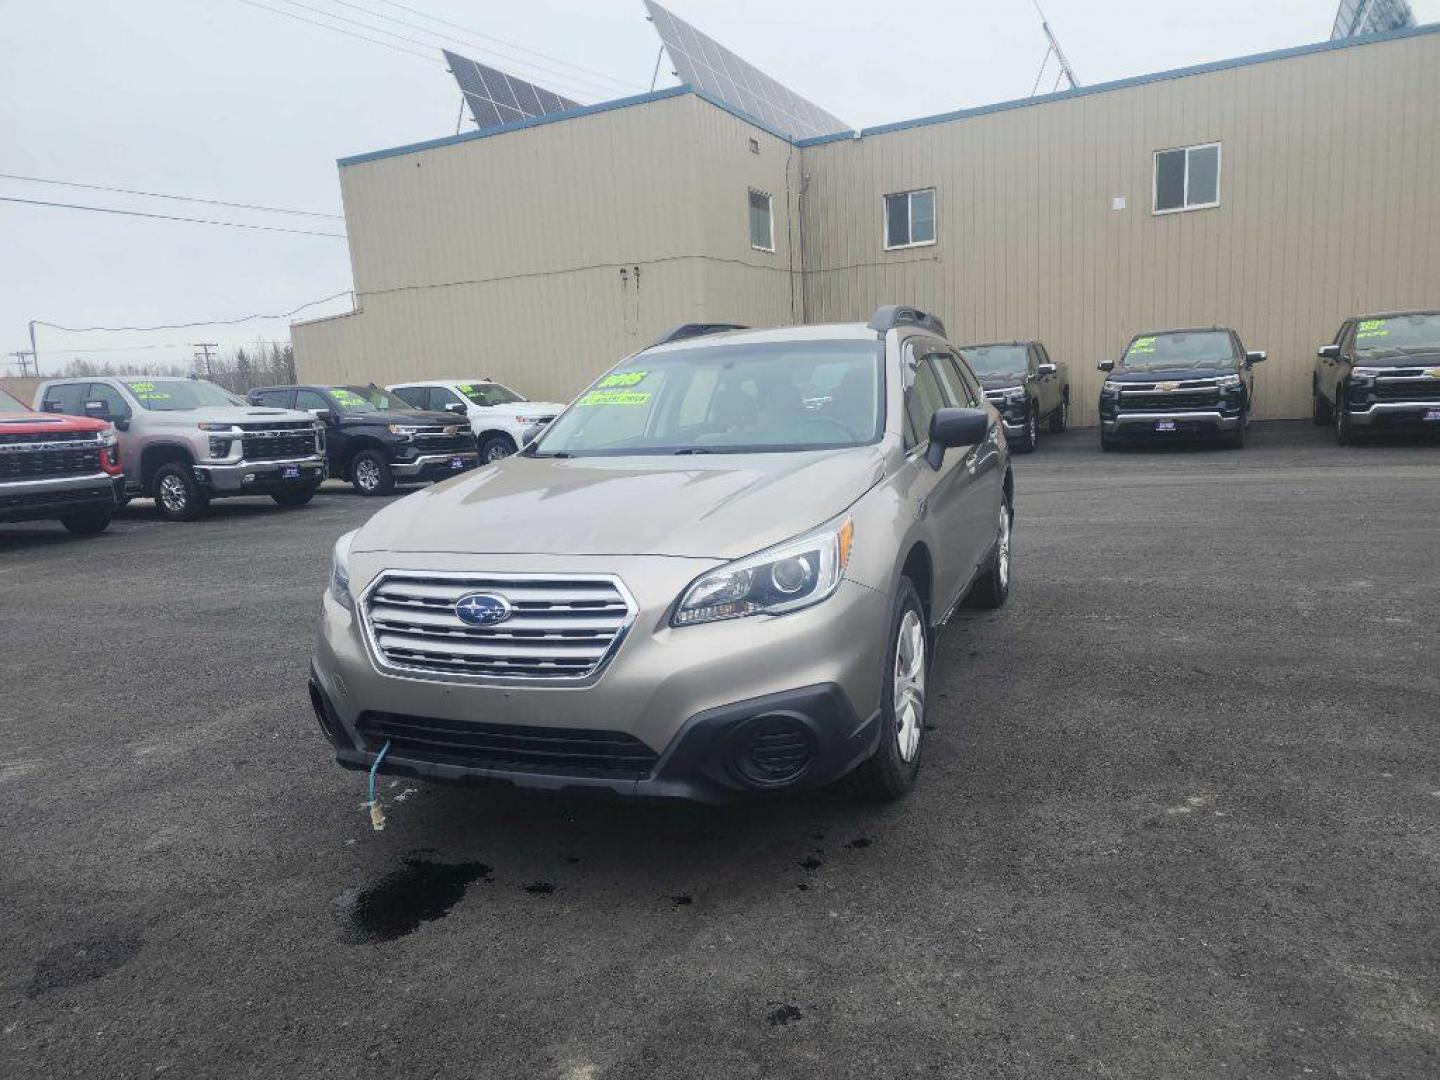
column 693, row 330
column 889, row 316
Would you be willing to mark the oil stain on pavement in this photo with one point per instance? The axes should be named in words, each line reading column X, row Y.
column 419, row 891
column 82, row 961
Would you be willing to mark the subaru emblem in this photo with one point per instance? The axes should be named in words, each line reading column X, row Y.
column 483, row 609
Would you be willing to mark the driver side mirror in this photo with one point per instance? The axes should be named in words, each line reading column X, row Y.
column 1255, row 357
column 325, row 416
column 955, row 427
column 1106, row 365
column 456, row 407
column 1328, row 352
column 1047, row 369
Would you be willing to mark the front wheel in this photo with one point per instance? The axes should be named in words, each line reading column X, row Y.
column 295, row 497
column 1321, row 411
column 993, row 585
column 890, row 771
column 178, row 496
column 1025, row 444
column 88, row 523
column 496, row 447
column 370, row 474
column 1344, row 433
column 1060, row 418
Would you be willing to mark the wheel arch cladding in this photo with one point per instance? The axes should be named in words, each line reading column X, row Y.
column 917, row 568
column 156, row 456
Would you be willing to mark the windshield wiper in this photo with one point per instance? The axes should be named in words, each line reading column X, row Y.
column 693, row 450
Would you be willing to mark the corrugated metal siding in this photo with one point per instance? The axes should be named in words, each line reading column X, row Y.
column 541, row 256
column 1330, row 205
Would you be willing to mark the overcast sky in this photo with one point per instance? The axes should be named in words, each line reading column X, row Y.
column 224, row 100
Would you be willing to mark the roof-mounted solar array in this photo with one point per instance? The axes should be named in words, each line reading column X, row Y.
column 496, row 98
column 707, row 65
column 1357, row 17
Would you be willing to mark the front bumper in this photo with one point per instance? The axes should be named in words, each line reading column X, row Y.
column 686, row 698
column 429, row 466
column 34, row 500
column 1397, row 415
column 1129, row 425
column 261, row 477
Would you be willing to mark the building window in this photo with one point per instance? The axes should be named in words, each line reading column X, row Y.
column 1187, row 178
column 762, row 222
column 910, row 219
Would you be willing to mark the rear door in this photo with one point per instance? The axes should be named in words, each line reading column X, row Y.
column 67, row 398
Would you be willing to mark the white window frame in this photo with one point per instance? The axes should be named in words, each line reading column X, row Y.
column 770, row 217
column 1186, row 206
column 909, row 218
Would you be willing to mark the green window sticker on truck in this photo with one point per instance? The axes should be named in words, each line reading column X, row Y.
column 623, row 378
column 614, row 397
column 348, row 398
column 1143, row 345
column 1372, row 328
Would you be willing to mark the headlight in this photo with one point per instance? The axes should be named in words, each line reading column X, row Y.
column 405, row 431
column 1112, row 387
column 794, row 575
column 1227, row 381
column 108, row 437
column 219, row 448
column 230, row 428
column 1366, row 372
column 340, row 571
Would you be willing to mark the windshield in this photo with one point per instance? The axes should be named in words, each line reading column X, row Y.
column 728, row 399
column 1398, row 332
column 1206, row 348
column 11, row 404
column 488, row 393
column 364, row 399
column 996, row 359
column 179, row 395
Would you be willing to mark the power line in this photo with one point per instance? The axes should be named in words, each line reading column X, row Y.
column 168, row 217
column 188, row 325
column 488, row 37
column 177, row 198
column 339, row 30
column 151, row 348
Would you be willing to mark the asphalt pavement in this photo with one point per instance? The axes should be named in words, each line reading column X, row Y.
column 1179, row 817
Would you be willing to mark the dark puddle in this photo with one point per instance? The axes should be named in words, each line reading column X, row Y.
column 810, row 862
column 420, row 891
column 783, row 1015
column 682, row 901
column 802, row 887
column 540, row 888
column 77, row 962
column 860, row 842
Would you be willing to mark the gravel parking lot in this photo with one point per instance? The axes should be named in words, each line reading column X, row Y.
column 1180, row 817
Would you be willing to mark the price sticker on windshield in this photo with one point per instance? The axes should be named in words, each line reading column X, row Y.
column 1372, row 328
column 614, row 397
column 623, row 378
column 348, row 397
column 1143, row 345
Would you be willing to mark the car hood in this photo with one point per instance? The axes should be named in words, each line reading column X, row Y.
column 1002, row 381
column 411, row 418
column 524, row 408
column 33, row 423
column 1175, row 374
column 698, row 506
column 237, row 415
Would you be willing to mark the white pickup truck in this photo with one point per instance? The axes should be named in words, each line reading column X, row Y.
column 500, row 418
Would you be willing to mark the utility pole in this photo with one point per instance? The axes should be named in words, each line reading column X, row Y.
column 22, row 357
column 204, row 354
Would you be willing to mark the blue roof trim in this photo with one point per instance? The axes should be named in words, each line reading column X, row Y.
column 1138, row 80
column 518, row 125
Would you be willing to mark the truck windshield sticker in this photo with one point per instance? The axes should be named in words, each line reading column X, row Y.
column 1373, row 328
column 349, row 398
column 1143, row 345
column 614, row 397
column 145, row 391
column 623, row 378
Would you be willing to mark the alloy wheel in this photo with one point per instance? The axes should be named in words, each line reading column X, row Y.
column 173, row 494
column 1002, row 547
column 367, row 474
column 909, row 685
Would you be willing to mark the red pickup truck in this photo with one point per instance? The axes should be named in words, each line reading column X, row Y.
column 57, row 467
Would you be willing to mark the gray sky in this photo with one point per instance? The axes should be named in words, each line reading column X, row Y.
column 217, row 98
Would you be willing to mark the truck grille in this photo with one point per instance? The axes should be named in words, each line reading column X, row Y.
column 508, row 747
column 561, row 626
column 1172, row 401
column 438, row 443
column 1407, row 389
column 278, row 445
column 38, row 461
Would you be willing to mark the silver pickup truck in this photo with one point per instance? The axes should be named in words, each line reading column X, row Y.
column 184, row 442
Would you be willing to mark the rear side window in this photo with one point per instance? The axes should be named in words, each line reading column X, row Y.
column 415, row 395
column 67, row 398
column 274, row 399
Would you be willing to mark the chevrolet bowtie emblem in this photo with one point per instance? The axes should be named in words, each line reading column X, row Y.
column 1169, row 387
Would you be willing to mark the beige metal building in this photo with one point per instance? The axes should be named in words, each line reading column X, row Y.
column 1275, row 194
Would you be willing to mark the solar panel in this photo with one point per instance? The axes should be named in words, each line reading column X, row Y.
column 496, row 98
column 1356, row 17
column 707, row 65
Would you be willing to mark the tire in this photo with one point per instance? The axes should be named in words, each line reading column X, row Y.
column 496, row 447
column 1060, row 418
column 177, row 495
column 1025, row 444
column 370, row 473
column 88, row 523
column 992, row 587
column 889, row 772
column 1107, row 444
column 1322, row 412
column 1344, row 433
column 294, row 498
column 1235, row 440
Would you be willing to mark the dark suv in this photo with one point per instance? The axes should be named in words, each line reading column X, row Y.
column 1179, row 384
column 376, row 439
column 1381, row 373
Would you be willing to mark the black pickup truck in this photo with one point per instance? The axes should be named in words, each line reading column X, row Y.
column 375, row 439
column 1179, row 384
column 1380, row 374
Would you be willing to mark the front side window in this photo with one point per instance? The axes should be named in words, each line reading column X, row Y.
column 488, row 393
column 67, row 398
column 414, row 395
column 309, row 401
column 179, row 395
column 762, row 222
column 1205, row 348
column 925, row 395
column 109, row 398
column 768, row 397
column 1187, row 178
column 910, row 219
